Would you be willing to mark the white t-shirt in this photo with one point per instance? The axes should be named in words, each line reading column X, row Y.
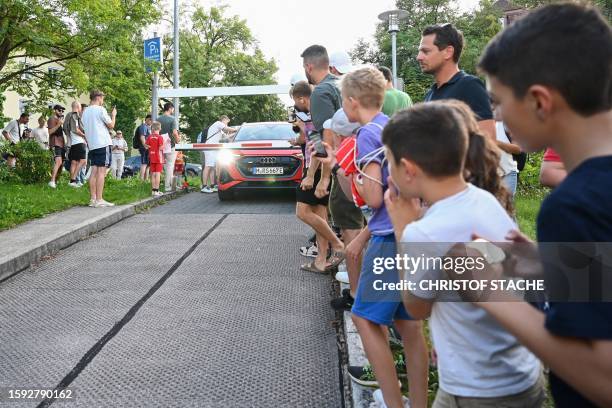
column 506, row 161
column 41, row 135
column 121, row 143
column 13, row 129
column 215, row 132
column 95, row 118
column 476, row 356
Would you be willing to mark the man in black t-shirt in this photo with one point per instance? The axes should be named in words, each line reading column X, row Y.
column 439, row 54
column 143, row 133
column 555, row 93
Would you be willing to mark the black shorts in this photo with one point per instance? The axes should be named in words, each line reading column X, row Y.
column 59, row 151
column 100, row 157
column 308, row 196
column 144, row 156
column 77, row 152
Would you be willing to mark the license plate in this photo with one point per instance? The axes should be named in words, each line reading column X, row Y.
column 267, row 170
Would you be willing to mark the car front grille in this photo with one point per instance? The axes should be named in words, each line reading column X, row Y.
column 246, row 164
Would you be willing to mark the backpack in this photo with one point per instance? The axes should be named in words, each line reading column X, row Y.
column 202, row 137
column 136, row 142
column 66, row 127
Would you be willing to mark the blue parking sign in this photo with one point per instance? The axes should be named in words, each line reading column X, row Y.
column 152, row 51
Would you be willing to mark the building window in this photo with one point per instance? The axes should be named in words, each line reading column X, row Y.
column 23, row 105
column 53, row 74
column 26, row 76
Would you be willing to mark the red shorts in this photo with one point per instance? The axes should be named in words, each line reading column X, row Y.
column 155, row 167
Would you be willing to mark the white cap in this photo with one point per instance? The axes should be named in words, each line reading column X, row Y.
column 295, row 78
column 340, row 124
column 341, row 61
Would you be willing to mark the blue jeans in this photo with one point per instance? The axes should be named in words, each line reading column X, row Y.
column 510, row 180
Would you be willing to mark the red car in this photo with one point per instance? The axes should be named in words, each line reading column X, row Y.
column 260, row 157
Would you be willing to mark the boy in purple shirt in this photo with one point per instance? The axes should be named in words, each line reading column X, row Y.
column 363, row 92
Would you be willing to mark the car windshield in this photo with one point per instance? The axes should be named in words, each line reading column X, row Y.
column 265, row 132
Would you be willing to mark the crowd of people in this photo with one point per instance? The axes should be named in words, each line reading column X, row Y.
column 87, row 135
column 397, row 178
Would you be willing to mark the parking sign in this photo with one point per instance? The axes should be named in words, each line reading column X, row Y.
column 152, row 51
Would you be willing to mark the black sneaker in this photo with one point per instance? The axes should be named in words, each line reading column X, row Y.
column 344, row 302
column 363, row 375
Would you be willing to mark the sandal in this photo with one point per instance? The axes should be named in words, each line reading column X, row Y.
column 311, row 251
column 311, row 267
column 335, row 259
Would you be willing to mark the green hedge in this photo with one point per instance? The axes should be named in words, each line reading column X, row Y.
column 33, row 162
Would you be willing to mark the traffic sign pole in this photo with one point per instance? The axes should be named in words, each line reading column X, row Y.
column 152, row 56
column 155, row 98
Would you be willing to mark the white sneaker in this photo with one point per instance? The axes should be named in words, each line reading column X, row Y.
column 207, row 190
column 380, row 401
column 52, row 184
column 158, row 194
column 92, row 203
column 215, row 189
column 79, row 184
column 74, row 185
column 103, row 203
column 342, row 277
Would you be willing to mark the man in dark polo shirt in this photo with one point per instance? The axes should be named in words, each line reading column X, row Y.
column 439, row 54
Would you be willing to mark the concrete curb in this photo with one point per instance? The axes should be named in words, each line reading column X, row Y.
column 361, row 397
column 17, row 262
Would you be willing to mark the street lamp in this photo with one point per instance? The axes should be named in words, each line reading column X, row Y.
column 393, row 17
column 176, row 60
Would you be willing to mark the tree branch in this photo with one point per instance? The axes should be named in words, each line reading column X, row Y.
column 42, row 64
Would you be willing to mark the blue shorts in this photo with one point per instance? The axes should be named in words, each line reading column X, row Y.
column 380, row 307
column 100, row 157
column 144, row 156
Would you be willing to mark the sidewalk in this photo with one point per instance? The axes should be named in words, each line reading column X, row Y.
column 28, row 243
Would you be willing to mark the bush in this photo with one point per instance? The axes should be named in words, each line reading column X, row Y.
column 529, row 178
column 33, row 163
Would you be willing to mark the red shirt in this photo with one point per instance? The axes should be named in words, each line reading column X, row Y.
column 551, row 156
column 156, row 144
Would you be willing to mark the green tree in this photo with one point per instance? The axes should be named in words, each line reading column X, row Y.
column 96, row 43
column 478, row 28
column 421, row 14
column 605, row 6
column 217, row 50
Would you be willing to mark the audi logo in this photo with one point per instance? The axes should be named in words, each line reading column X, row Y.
column 267, row 160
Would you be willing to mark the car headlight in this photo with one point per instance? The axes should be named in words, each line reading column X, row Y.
column 226, row 157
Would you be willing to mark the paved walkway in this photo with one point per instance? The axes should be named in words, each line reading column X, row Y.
column 177, row 307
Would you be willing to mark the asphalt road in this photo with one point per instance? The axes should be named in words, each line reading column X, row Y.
column 196, row 303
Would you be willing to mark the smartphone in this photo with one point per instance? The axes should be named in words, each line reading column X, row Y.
column 491, row 252
column 315, row 138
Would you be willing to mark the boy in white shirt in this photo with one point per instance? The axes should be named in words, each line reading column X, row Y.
column 479, row 363
column 119, row 148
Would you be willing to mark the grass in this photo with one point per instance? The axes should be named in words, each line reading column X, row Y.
column 23, row 202
column 527, row 205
